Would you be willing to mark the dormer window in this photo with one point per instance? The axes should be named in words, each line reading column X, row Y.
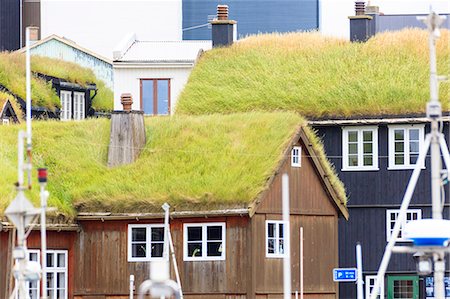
column 359, row 148
column 73, row 105
column 296, row 156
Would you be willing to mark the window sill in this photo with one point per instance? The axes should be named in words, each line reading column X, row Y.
column 411, row 167
column 361, row 169
column 143, row 260
column 203, row 259
column 275, row 256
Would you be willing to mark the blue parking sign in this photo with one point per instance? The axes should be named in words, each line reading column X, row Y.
column 344, row 274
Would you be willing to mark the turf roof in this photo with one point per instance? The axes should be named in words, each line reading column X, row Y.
column 317, row 76
column 12, row 76
column 200, row 163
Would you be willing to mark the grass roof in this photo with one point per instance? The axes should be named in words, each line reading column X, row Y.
column 317, row 76
column 12, row 76
column 197, row 163
column 4, row 97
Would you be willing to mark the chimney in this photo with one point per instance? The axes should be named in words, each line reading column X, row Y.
column 362, row 25
column 127, row 137
column 222, row 28
column 34, row 35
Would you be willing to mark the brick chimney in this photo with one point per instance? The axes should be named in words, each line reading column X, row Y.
column 127, row 137
column 222, row 28
column 364, row 24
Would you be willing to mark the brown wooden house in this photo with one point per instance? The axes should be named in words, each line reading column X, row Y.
column 223, row 250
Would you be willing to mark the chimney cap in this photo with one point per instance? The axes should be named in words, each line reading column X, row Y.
column 126, row 99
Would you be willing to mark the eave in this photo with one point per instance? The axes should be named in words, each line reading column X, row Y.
column 373, row 121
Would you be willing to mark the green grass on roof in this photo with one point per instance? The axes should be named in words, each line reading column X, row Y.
column 317, row 76
column 190, row 162
column 5, row 97
column 12, row 76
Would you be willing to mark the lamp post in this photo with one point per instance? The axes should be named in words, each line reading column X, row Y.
column 42, row 178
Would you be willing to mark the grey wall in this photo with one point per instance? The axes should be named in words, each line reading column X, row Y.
column 397, row 22
column 9, row 25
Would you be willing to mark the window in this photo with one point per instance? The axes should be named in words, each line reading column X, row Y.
column 405, row 142
column 78, row 105
column 360, row 148
column 296, row 156
column 274, row 238
column 391, row 217
column 145, row 242
column 57, row 274
column 370, row 283
column 204, row 241
column 66, row 105
column 32, row 288
column 155, row 96
column 5, row 121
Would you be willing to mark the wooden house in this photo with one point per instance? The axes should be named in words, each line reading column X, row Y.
column 225, row 199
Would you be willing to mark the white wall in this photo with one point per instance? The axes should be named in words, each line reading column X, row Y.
column 334, row 13
column 99, row 25
column 127, row 80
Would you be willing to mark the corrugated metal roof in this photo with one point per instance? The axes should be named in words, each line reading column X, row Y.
column 165, row 51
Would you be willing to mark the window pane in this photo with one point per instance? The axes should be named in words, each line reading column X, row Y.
column 270, row 245
column 270, row 228
column 195, row 249
column 353, row 148
column 368, row 161
column 399, row 147
column 413, row 158
column 280, row 246
column 138, row 234
column 61, row 262
column 50, row 262
column 367, row 136
column 281, row 230
column 353, row 136
column 399, row 135
column 157, row 234
column 33, row 256
column 195, row 233
column 214, row 233
column 50, row 281
column 414, row 146
column 414, row 134
column 214, row 249
column 163, row 97
column 367, row 148
column 138, row 250
column 60, row 280
column 399, row 159
column 147, row 96
column 61, row 294
column 157, row 249
column 352, row 160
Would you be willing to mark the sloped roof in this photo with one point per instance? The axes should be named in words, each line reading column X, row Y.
column 198, row 163
column 165, row 51
column 318, row 76
column 69, row 43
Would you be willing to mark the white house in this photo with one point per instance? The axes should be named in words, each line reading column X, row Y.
column 154, row 72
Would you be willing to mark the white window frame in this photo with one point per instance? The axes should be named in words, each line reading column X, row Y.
column 296, row 156
column 27, row 284
column 204, row 242
column 388, row 222
column 360, row 130
column 406, row 128
column 148, row 242
column 370, row 283
column 277, row 223
column 66, row 105
column 5, row 121
column 78, row 105
column 55, row 270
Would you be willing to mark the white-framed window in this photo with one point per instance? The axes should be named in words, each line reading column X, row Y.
column 296, row 156
column 360, row 148
column 275, row 232
column 56, row 274
column 145, row 242
column 204, row 241
column 78, row 106
column 66, row 105
column 5, row 121
column 405, row 142
column 391, row 217
column 370, row 283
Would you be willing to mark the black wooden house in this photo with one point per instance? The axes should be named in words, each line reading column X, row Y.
column 374, row 159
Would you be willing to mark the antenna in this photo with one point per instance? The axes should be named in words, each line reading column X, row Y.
column 430, row 236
